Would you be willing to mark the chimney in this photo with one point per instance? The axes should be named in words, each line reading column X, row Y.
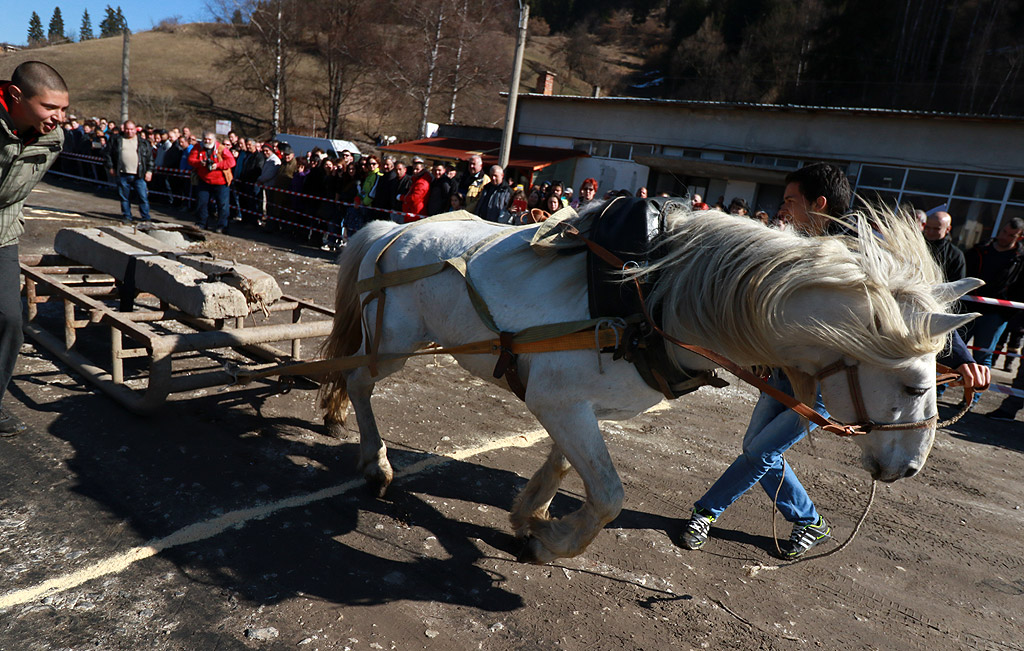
column 597, row 91
column 546, row 83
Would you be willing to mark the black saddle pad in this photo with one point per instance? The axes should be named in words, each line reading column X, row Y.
column 628, row 227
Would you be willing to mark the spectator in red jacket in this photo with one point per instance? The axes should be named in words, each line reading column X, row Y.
column 414, row 203
column 212, row 163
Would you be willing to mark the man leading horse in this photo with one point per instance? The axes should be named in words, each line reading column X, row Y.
column 816, row 199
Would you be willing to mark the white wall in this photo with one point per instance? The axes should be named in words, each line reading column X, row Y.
column 610, row 174
column 533, row 140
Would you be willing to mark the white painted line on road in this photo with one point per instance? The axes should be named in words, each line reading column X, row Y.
column 237, row 519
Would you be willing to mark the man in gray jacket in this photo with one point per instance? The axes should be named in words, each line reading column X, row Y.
column 32, row 108
column 130, row 161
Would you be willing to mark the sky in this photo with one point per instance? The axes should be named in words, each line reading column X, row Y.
column 142, row 15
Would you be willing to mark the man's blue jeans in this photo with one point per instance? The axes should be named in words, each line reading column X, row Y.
column 773, row 429
column 125, row 183
column 985, row 330
column 221, row 194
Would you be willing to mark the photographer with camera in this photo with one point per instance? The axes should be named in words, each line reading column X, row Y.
column 212, row 162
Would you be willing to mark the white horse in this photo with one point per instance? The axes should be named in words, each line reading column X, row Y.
column 755, row 295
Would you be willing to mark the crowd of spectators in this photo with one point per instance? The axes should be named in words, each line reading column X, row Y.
column 317, row 194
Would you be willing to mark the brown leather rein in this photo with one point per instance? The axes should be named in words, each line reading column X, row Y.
column 865, row 424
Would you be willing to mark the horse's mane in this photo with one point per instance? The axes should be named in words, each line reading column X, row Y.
column 724, row 280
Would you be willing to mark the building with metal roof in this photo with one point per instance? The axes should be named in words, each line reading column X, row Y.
column 972, row 164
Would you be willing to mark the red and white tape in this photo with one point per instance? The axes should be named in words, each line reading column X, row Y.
column 992, row 301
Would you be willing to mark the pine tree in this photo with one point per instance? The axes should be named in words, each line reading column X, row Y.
column 111, row 24
column 35, row 30
column 56, row 31
column 85, row 34
column 122, row 23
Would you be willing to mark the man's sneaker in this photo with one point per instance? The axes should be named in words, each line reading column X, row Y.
column 804, row 537
column 10, row 425
column 1004, row 415
column 695, row 534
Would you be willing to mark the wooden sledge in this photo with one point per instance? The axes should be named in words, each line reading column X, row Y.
column 178, row 347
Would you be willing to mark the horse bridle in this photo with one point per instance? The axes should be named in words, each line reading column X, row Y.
column 865, row 426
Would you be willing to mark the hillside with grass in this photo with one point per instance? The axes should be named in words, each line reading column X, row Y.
column 181, row 75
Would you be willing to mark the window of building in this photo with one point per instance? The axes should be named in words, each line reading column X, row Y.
column 772, row 161
column 582, row 145
column 973, row 220
column 924, row 202
column 1017, row 191
column 601, row 149
column 876, row 176
column 930, row 182
column 642, row 150
column 619, row 150
column 885, row 198
column 982, row 187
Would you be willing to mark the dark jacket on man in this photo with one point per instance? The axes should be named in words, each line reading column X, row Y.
column 494, row 201
column 949, row 257
column 999, row 269
column 440, row 199
column 387, row 190
column 249, row 169
column 112, row 155
column 402, row 187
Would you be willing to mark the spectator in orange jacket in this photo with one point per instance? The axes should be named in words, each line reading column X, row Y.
column 415, row 201
column 212, row 163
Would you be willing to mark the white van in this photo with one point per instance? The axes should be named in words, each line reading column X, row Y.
column 302, row 145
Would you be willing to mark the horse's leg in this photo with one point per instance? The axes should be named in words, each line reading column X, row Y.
column 575, row 431
column 533, row 501
column 373, row 454
column 335, row 405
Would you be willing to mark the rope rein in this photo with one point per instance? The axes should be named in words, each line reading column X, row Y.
column 844, row 545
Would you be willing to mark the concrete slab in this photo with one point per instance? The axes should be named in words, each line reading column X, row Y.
column 257, row 286
column 183, row 286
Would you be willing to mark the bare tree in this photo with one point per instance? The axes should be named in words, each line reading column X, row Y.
column 414, row 70
column 262, row 51
column 343, row 42
column 475, row 59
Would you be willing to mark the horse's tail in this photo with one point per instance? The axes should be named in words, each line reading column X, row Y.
column 347, row 332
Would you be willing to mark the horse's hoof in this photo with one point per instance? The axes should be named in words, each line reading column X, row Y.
column 375, row 489
column 377, row 483
column 532, row 551
column 337, row 430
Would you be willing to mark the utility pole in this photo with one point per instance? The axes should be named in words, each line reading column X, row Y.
column 124, row 76
column 513, row 91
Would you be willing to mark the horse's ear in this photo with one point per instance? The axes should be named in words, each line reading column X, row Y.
column 949, row 292
column 939, row 324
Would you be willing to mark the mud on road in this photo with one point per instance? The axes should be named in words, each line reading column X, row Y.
column 229, row 520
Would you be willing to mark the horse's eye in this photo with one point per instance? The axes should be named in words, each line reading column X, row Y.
column 916, row 392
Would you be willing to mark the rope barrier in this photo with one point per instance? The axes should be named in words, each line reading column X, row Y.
column 992, row 301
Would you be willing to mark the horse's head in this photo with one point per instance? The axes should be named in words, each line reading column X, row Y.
column 897, row 393
column 872, row 297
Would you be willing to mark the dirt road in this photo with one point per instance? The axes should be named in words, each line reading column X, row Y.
column 230, row 521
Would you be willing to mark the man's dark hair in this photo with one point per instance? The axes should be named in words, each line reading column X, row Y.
column 33, row 77
column 824, row 180
column 1016, row 224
